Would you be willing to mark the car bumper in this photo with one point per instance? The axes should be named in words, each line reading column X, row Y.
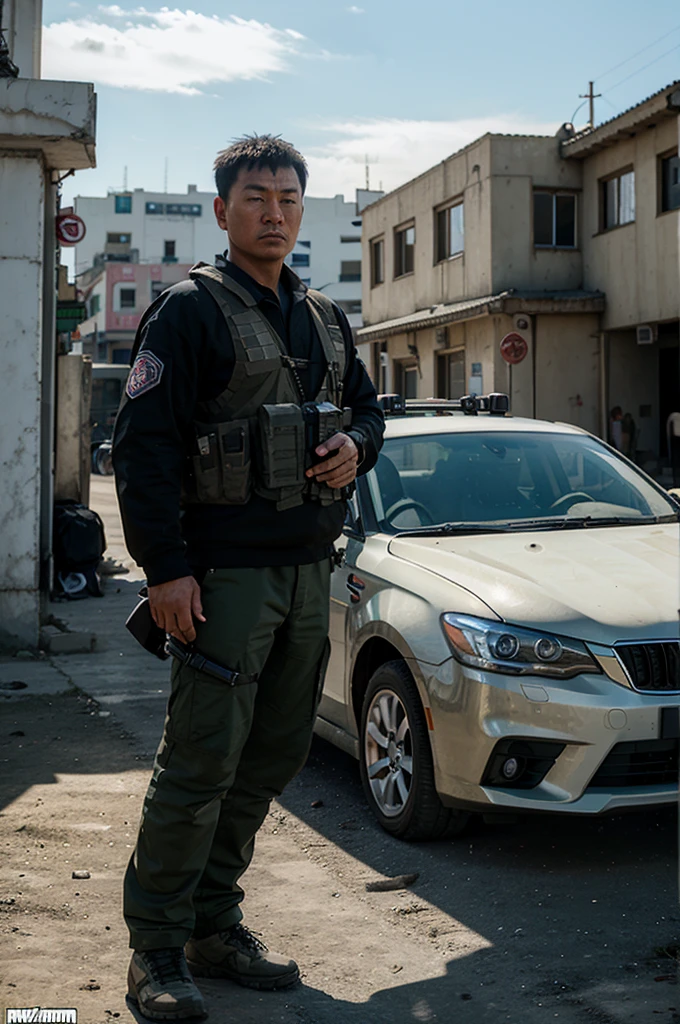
column 595, row 718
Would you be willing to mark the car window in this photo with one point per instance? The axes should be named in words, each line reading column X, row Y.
column 507, row 477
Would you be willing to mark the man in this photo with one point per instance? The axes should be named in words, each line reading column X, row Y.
column 233, row 523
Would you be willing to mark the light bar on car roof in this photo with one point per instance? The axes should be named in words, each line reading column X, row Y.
column 496, row 404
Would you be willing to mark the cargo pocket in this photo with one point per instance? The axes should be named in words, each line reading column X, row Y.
column 206, row 465
column 234, row 445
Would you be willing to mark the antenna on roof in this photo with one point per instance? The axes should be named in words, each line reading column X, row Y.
column 368, row 177
column 125, row 179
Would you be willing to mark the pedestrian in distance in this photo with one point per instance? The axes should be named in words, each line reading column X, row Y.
column 231, row 496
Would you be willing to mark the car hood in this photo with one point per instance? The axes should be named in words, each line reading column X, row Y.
column 601, row 584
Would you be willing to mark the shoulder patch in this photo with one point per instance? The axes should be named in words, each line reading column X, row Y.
column 146, row 372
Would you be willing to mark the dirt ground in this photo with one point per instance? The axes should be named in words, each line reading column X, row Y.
column 549, row 919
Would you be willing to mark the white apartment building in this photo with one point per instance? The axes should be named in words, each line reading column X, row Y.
column 162, row 228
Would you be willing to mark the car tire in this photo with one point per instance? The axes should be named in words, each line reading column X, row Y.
column 102, row 462
column 396, row 760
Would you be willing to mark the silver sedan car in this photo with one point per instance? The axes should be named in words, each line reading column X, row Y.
column 504, row 625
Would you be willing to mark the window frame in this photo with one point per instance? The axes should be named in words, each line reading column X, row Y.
column 669, row 154
column 399, row 231
column 603, row 183
column 373, row 245
column 555, row 193
column 447, row 207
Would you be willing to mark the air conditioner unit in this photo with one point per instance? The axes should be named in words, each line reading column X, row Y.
column 646, row 334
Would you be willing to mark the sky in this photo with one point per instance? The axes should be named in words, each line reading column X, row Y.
column 402, row 84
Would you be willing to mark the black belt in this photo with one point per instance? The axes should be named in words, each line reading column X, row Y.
column 194, row 660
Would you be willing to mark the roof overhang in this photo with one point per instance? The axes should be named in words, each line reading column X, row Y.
column 662, row 105
column 510, row 302
column 56, row 119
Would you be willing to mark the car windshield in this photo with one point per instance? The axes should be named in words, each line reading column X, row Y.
column 515, row 480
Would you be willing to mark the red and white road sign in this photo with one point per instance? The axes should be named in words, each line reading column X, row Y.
column 514, row 348
column 70, row 229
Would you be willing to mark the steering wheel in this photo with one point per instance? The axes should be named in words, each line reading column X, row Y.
column 402, row 505
column 573, row 495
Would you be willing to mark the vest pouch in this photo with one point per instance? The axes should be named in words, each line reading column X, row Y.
column 281, row 435
column 221, row 469
column 234, row 446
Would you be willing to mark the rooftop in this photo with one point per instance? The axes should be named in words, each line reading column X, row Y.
column 661, row 104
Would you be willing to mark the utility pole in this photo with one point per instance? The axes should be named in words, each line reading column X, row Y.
column 591, row 96
column 368, row 185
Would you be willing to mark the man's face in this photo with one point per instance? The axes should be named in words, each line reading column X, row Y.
column 263, row 212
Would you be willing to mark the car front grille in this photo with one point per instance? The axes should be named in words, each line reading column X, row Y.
column 652, row 668
column 638, row 763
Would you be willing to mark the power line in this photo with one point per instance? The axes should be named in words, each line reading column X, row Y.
column 637, row 54
column 644, row 67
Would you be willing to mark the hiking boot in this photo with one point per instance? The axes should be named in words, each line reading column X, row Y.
column 239, row 955
column 160, row 984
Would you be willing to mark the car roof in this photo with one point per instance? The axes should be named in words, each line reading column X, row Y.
column 407, row 426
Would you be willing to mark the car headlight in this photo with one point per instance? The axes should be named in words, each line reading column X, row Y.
column 497, row 647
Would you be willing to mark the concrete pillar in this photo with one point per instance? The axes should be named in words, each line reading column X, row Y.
column 22, row 22
column 22, row 218
column 72, row 465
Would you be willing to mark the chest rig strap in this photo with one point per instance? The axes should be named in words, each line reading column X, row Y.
column 330, row 335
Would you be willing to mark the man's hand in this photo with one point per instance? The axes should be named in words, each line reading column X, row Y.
column 338, row 470
column 174, row 605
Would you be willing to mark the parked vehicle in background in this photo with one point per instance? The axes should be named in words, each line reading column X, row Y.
column 504, row 626
column 108, row 383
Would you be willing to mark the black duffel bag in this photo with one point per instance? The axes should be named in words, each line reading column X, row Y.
column 78, row 543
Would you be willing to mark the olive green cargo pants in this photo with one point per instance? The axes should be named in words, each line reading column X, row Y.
column 227, row 751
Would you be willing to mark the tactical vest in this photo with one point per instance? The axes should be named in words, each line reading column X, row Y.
column 251, row 437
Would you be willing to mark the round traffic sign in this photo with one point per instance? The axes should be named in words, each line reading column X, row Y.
column 514, row 348
column 70, row 229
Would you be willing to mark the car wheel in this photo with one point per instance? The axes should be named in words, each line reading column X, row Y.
column 396, row 759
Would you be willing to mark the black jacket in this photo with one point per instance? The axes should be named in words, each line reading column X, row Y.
column 189, row 338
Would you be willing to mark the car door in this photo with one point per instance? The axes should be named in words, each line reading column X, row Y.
column 333, row 705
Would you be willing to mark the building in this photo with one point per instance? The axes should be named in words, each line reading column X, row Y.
column 115, row 296
column 516, row 235
column 631, row 196
column 137, row 243
column 45, row 127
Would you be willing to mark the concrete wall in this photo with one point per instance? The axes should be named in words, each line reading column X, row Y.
column 22, row 215
column 72, row 441
column 23, row 24
column 518, row 166
column 636, row 265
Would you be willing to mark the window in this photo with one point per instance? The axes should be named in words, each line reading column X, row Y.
column 404, row 246
column 449, row 232
column 116, row 239
column 95, row 304
column 307, row 245
column 182, row 209
column 350, row 238
column 618, row 200
column 123, row 204
column 299, row 259
column 451, row 374
column 554, row 220
column 350, row 270
column 169, row 251
column 155, row 208
column 670, row 182
column 350, row 305
column 157, row 288
column 128, row 298
column 377, row 262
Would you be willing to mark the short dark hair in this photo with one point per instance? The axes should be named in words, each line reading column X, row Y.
column 256, row 151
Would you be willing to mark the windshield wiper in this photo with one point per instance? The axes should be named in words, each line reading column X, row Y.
column 446, row 529
column 583, row 522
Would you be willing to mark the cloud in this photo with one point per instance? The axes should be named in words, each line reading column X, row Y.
column 356, row 10
column 397, row 150
column 167, row 50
